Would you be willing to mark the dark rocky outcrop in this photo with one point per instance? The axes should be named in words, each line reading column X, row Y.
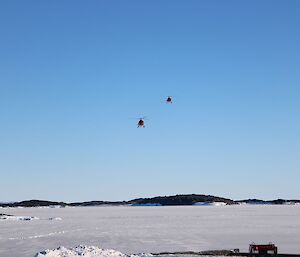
column 278, row 201
column 189, row 199
column 33, row 203
column 96, row 203
column 180, row 200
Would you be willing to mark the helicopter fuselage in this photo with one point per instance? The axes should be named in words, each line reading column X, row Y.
column 141, row 124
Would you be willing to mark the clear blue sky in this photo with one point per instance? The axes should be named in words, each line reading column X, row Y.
column 74, row 73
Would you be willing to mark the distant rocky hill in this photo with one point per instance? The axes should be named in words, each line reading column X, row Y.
column 180, row 200
column 277, row 201
column 33, row 203
column 96, row 203
column 189, row 199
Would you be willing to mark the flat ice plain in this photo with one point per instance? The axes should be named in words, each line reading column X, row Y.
column 151, row 229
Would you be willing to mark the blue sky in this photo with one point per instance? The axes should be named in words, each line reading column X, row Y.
column 73, row 74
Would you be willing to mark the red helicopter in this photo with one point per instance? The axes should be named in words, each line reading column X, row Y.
column 169, row 100
column 141, row 123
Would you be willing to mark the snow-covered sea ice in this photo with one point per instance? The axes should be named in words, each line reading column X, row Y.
column 150, row 229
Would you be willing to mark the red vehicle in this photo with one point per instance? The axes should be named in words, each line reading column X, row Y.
column 261, row 250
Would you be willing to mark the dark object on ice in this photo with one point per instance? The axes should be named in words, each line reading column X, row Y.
column 255, row 250
column 262, row 250
column 204, row 253
column 3, row 214
column 219, row 252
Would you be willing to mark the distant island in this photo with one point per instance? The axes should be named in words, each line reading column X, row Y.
column 176, row 200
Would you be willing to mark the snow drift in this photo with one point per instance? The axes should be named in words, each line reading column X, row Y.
column 9, row 217
column 24, row 218
column 210, row 204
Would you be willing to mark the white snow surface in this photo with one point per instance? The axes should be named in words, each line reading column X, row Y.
column 151, row 229
column 24, row 218
column 55, row 218
column 87, row 251
column 16, row 218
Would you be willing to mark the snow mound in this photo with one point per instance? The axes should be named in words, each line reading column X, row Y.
column 87, row 251
column 219, row 204
column 26, row 218
column 55, row 218
column 210, row 204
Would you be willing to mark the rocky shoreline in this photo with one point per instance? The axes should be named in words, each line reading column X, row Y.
column 176, row 200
